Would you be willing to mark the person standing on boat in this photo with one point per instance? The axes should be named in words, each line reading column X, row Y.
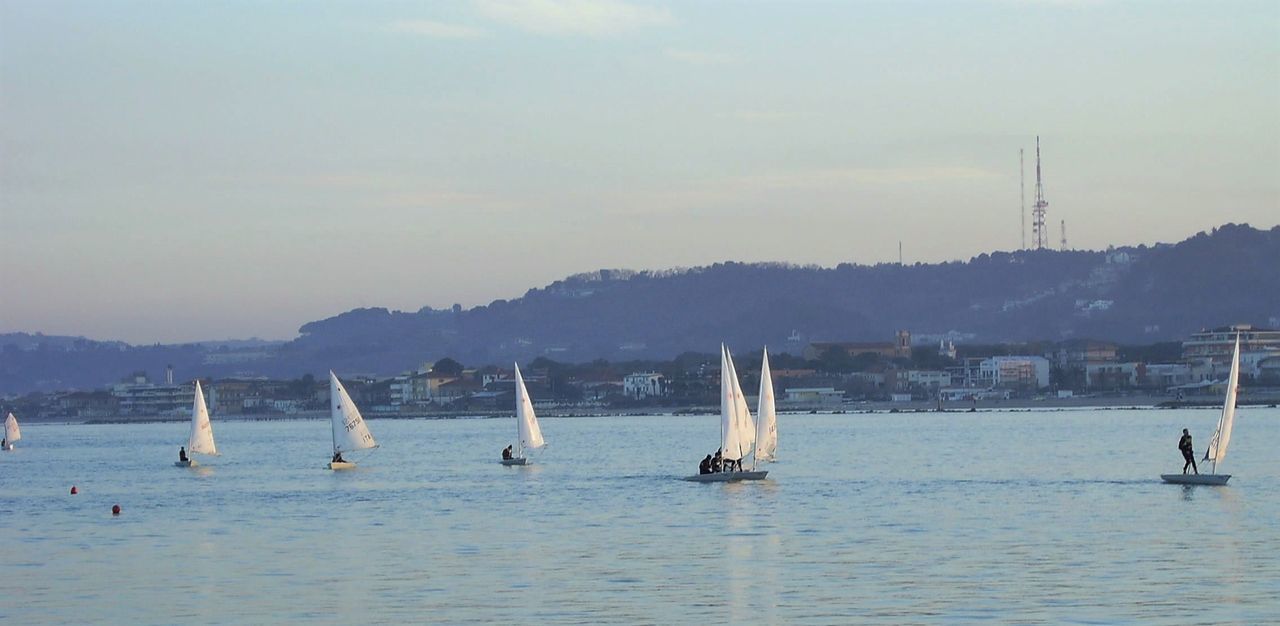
column 1188, row 452
column 506, row 453
column 182, row 454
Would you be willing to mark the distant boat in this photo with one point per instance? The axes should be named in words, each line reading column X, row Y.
column 200, row 441
column 12, row 433
column 1217, row 449
column 528, row 433
column 350, row 432
column 737, row 431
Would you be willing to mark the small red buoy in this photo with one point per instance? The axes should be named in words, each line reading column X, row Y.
column 74, row 491
column 115, row 510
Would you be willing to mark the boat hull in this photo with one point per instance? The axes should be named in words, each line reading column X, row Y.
column 188, row 463
column 727, row 477
column 8, row 447
column 510, row 462
column 341, row 466
column 1196, row 479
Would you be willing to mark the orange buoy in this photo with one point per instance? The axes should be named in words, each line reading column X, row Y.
column 74, row 491
column 115, row 510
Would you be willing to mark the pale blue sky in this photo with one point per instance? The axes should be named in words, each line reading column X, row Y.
column 189, row 170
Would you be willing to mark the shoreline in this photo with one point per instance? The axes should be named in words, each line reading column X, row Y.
column 1131, row 403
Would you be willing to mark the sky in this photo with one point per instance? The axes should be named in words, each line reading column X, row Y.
column 180, row 171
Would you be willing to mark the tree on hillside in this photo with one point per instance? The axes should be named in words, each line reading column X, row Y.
column 448, row 367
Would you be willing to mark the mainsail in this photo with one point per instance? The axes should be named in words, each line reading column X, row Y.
column 201, row 438
column 11, row 431
column 1217, row 449
column 530, row 435
column 766, row 416
column 349, row 429
column 737, row 431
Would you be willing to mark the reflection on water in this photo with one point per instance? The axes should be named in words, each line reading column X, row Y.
column 885, row 519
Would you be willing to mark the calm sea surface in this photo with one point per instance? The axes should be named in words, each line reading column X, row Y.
column 1027, row 517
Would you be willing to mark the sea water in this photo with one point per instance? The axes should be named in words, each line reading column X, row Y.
column 1015, row 517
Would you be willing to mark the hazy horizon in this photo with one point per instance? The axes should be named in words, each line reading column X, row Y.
column 178, row 171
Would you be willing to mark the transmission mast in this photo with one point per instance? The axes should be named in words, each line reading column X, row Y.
column 1022, row 193
column 1038, row 209
column 1064, row 235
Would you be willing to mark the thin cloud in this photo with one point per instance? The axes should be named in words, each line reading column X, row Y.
column 594, row 18
column 756, row 115
column 699, row 57
column 439, row 30
column 833, row 177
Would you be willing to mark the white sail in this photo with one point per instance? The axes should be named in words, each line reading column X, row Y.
column 11, row 431
column 201, row 438
column 737, row 432
column 527, row 430
column 766, row 416
column 1222, row 436
column 349, row 429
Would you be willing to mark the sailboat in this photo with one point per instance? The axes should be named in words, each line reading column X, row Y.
column 11, row 432
column 766, row 417
column 528, row 434
column 349, row 429
column 201, row 438
column 737, row 431
column 1217, row 449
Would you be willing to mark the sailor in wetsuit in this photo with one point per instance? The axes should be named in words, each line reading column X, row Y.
column 182, row 454
column 506, row 453
column 705, row 466
column 1188, row 452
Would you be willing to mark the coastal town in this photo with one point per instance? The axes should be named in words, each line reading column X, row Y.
column 908, row 373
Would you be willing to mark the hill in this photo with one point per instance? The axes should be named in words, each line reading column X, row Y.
column 1130, row 295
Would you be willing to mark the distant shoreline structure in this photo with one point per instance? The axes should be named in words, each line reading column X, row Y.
column 1118, row 403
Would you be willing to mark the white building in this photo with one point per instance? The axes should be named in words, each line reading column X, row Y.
column 928, row 378
column 643, row 385
column 1014, row 371
column 1218, row 343
column 814, row 395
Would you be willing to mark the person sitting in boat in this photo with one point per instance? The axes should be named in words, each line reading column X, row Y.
column 705, row 466
column 715, row 462
column 506, row 453
column 337, row 458
column 182, row 454
column 1188, row 452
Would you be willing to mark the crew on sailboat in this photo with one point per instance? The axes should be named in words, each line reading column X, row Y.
column 705, row 466
column 506, row 453
column 1188, row 452
column 182, row 454
column 337, row 458
column 715, row 462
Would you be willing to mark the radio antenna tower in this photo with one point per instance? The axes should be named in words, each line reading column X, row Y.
column 1037, row 210
column 1022, row 202
column 1064, row 235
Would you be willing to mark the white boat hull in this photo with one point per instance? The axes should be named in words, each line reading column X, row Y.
column 1196, row 479
column 727, row 477
column 510, row 462
column 8, row 447
column 341, row 466
column 188, row 463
